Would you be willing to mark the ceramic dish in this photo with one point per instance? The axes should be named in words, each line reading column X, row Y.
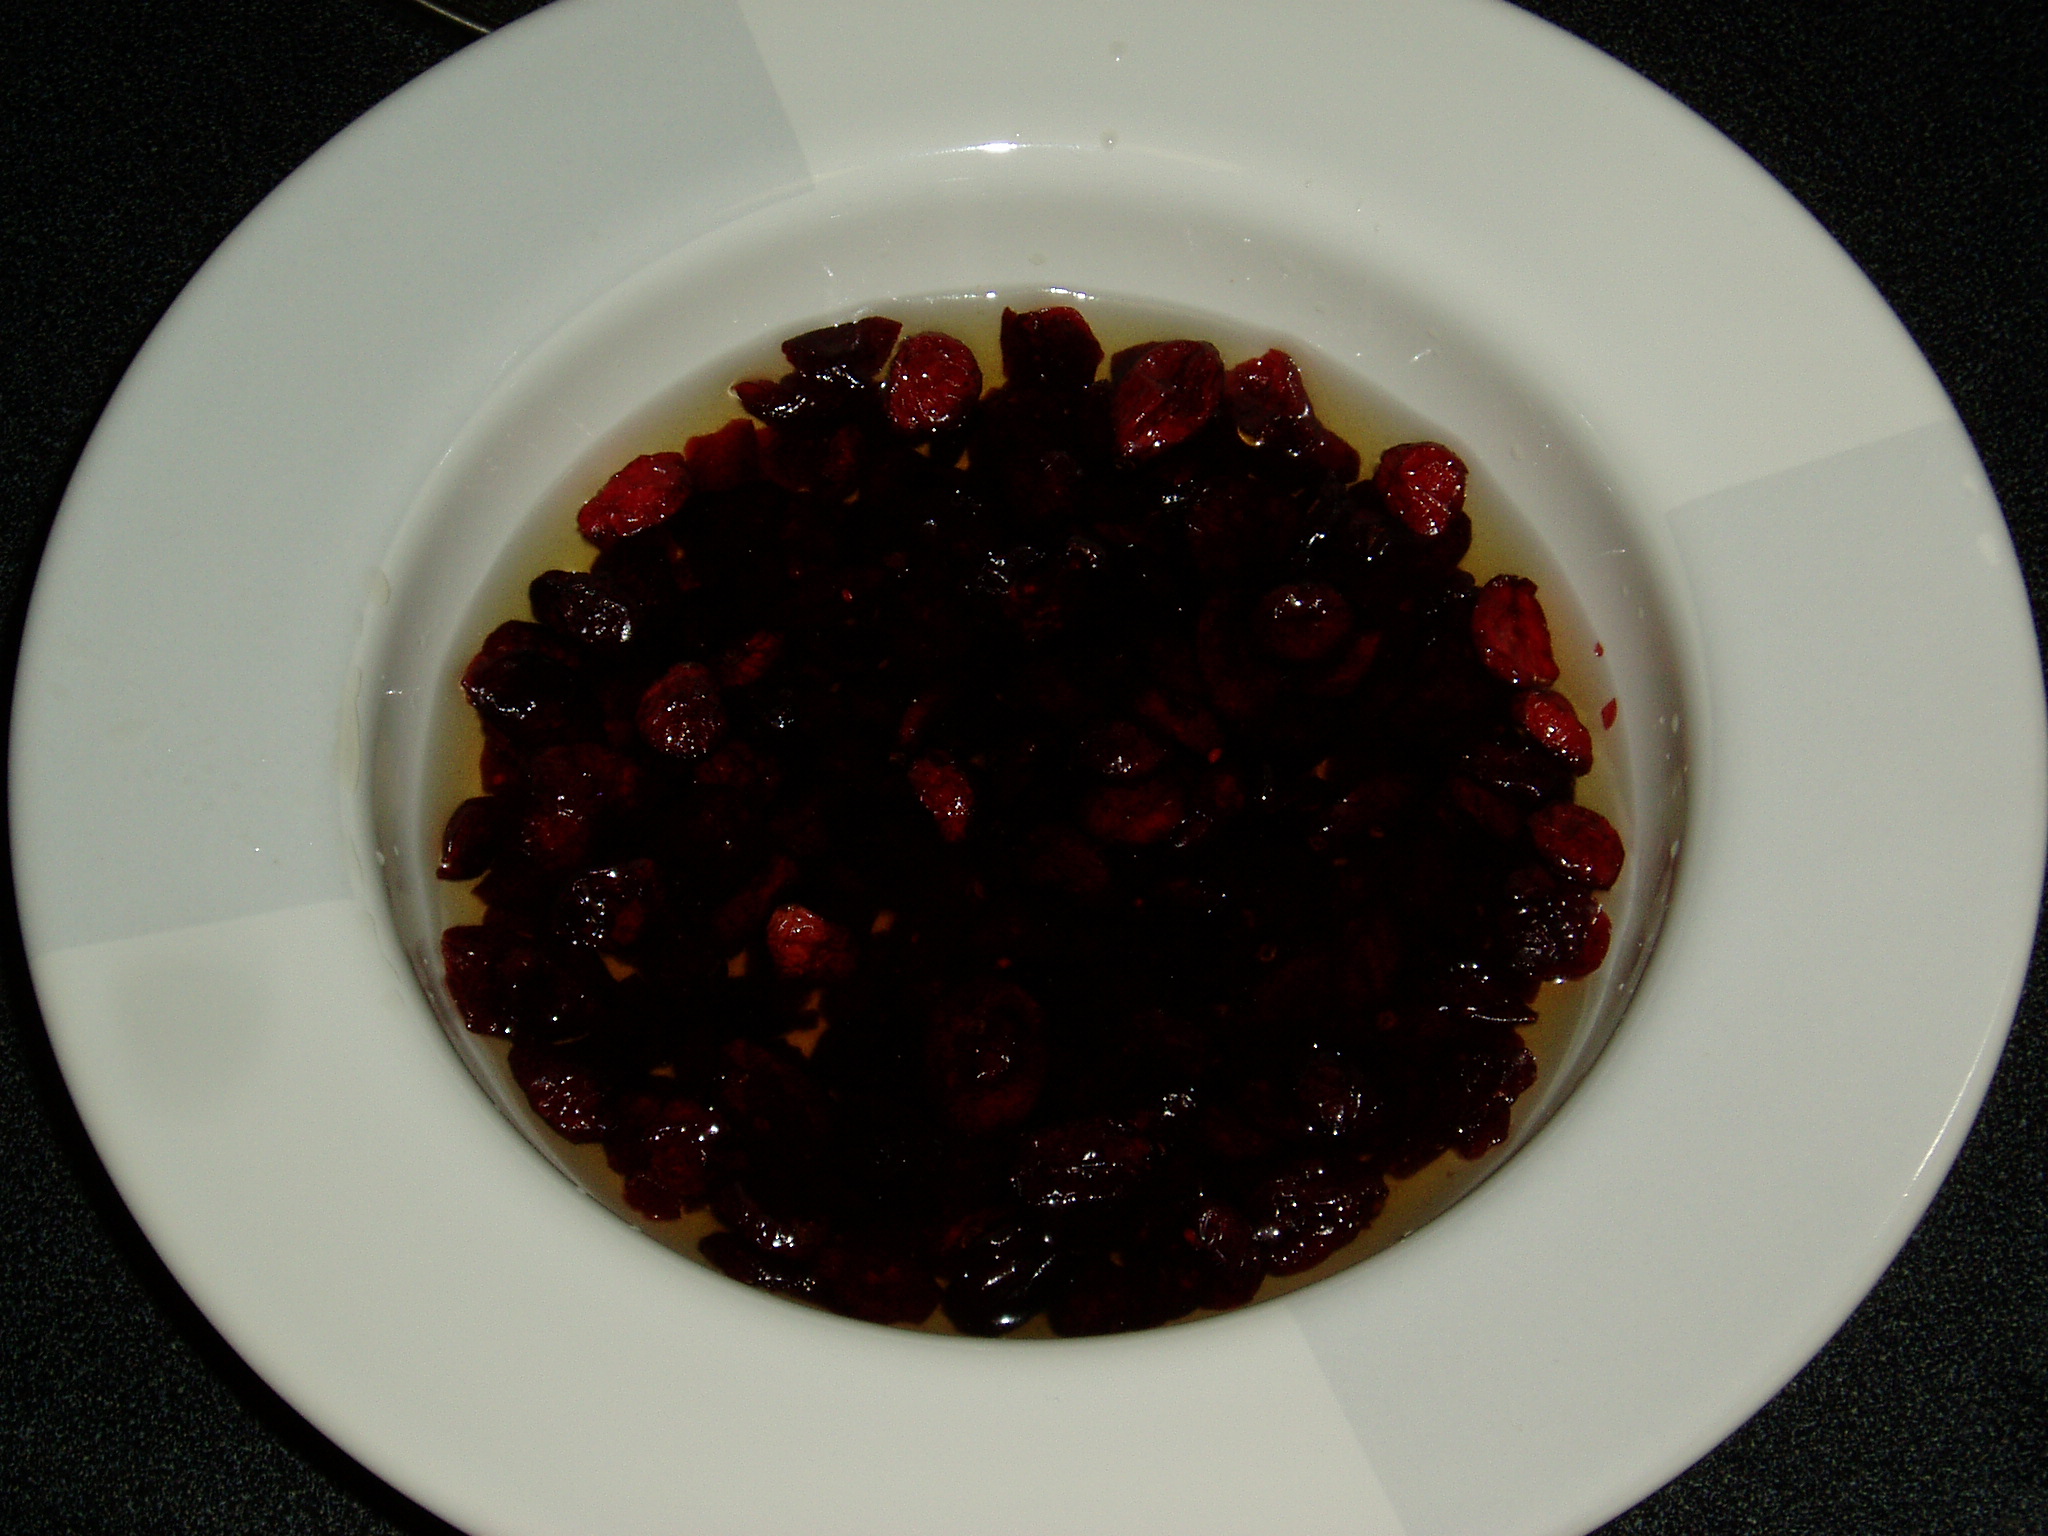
column 1711, row 425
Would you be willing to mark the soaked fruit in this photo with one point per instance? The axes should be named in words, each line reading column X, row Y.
column 1055, row 851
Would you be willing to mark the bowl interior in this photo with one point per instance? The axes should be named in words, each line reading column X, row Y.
column 1386, row 360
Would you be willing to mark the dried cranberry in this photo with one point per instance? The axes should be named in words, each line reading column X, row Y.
column 1308, row 1211
column 998, row 1269
column 607, row 908
column 1424, row 485
column 584, row 774
column 1169, row 393
column 1579, row 843
column 726, row 459
column 1192, row 726
column 749, row 661
column 1484, row 809
column 735, row 1256
column 803, row 944
column 1208, row 1254
column 985, row 1057
column 1303, row 621
column 1060, row 857
column 854, row 351
column 1334, row 1103
column 1084, row 1164
column 556, row 834
column 503, row 985
column 645, row 494
column 1270, row 404
column 744, row 912
column 528, row 694
column 681, row 714
column 569, row 1097
column 1050, row 348
column 797, row 1238
column 1553, row 933
column 947, row 793
column 1512, row 634
column 1550, row 718
column 809, row 405
column 1121, row 750
column 585, row 606
column 772, row 1095
column 476, row 832
column 1101, row 1296
column 1486, row 1076
column 874, row 1281
column 1142, row 812
column 933, row 384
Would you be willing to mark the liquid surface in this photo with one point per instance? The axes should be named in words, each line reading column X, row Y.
column 1087, row 814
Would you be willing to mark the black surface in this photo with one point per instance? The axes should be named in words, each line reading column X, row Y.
column 136, row 135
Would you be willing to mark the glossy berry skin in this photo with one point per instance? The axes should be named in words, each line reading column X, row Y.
column 804, row 945
column 985, row 1055
column 947, row 793
column 1512, row 633
column 853, row 352
column 1424, row 486
column 681, row 714
column 933, row 384
column 1551, row 720
column 1579, row 843
column 644, row 495
column 1170, row 393
column 1303, row 621
column 1051, row 349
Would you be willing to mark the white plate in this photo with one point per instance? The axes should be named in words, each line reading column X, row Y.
column 476, row 293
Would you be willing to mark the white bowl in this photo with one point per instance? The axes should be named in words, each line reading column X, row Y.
column 466, row 306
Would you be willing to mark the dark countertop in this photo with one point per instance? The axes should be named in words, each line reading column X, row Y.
column 137, row 135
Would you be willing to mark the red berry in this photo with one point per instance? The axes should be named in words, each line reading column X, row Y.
column 1088, row 1164
column 1144, row 812
column 1424, row 484
column 1304, row 621
column 985, row 1058
column 933, row 384
column 1512, row 634
column 643, row 495
column 749, row 661
column 803, row 944
column 607, row 908
column 475, row 833
column 867, row 1279
column 1550, row 718
column 1308, row 1211
column 854, row 351
column 1169, row 394
column 1599, row 934
column 1121, row 750
column 1269, row 403
column 946, row 792
column 1050, row 348
column 567, row 1096
column 681, row 714
column 586, row 606
column 726, row 459
column 1579, row 843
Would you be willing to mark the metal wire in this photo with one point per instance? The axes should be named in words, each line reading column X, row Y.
column 455, row 16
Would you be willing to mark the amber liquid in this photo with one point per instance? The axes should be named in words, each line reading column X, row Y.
column 1367, row 419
